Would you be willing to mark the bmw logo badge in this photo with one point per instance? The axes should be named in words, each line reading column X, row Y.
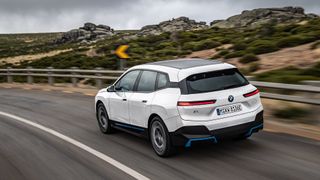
column 230, row 98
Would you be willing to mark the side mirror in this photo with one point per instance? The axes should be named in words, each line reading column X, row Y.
column 111, row 89
column 118, row 88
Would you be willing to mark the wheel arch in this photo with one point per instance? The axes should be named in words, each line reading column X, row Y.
column 100, row 101
column 96, row 107
column 97, row 103
column 153, row 115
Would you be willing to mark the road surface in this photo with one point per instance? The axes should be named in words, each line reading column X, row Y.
column 27, row 152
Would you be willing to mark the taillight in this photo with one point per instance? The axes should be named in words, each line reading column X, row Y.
column 195, row 103
column 251, row 93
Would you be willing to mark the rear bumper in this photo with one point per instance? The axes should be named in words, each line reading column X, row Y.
column 186, row 135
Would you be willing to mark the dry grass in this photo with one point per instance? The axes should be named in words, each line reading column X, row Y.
column 299, row 56
column 32, row 57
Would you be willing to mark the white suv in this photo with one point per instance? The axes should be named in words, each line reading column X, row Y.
column 180, row 102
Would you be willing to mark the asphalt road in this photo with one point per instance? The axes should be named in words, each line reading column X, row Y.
column 30, row 153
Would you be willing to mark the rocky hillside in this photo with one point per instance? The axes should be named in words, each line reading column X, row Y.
column 265, row 46
column 256, row 17
column 89, row 33
column 174, row 25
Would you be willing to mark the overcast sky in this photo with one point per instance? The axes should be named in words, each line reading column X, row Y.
column 62, row 15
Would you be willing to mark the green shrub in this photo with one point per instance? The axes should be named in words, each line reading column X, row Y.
column 248, row 58
column 315, row 45
column 225, row 40
column 309, row 27
column 163, row 45
column 244, row 71
column 290, row 75
column 137, row 50
column 206, row 44
column 313, row 71
column 267, row 29
column 291, row 113
column 253, row 67
column 188, row 46
column 166, row 52
column 217, row 56
column 262, row 46
column 239, row 46
column 201, row 45
column 292, row 41
column 235, row 54
column 223, row 52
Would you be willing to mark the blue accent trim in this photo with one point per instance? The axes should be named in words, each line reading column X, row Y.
column 249, row 133
column 129, row 126
column 188, row 144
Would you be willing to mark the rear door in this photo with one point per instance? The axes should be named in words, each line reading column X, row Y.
column 140, row 101
column 118, row 101
column 215, row 95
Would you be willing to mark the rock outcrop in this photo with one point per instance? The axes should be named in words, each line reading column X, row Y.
column 257, row 17
column 174, row 25
column 87, row 34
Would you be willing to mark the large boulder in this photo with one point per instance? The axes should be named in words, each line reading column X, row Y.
column 105, row 27
column 89, row 26
column 88, row 33
column 174, row 25
column 256, row 17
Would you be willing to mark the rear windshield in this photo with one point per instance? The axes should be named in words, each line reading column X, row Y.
column 215, row 81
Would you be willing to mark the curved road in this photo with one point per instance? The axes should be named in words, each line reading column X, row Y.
column 30, row 153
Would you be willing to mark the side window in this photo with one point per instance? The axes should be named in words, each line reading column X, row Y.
column 127, row 82
column 147, row 81
column 162, row 81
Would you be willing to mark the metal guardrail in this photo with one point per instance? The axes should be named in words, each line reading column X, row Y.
column 99, row 75
column 74, row 74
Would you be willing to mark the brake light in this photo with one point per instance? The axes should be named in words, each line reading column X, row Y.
column 195, row 103
column 251, row 93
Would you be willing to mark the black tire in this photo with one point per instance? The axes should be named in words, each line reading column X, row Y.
column 162, row 146
column 103, row 119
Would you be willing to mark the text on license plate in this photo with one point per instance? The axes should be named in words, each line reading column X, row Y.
column 229, row 109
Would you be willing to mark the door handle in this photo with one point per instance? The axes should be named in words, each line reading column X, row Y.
column 124, row 99
column 144, row 101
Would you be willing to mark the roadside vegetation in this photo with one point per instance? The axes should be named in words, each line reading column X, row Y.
column 292, row 75
column 295, row 114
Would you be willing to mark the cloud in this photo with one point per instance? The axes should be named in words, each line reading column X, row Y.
column 63, row 15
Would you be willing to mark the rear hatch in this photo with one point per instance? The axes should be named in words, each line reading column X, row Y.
column 217, row 94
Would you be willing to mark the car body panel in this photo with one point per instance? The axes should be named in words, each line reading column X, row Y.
column 140, row 108
column 119, row 106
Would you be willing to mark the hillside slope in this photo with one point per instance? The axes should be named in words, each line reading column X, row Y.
column 266, row 47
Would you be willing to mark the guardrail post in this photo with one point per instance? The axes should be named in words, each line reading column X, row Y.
column 9, row 76
column 74, row 79
column 29, row 78
column 99, row 81
column 122, row 64
column 50, row 77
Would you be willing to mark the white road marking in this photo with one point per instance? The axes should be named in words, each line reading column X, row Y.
column 82, row 146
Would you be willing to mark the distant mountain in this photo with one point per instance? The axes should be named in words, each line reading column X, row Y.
column 256, row 17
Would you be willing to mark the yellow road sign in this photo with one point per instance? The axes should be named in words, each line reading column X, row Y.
column 121, row 52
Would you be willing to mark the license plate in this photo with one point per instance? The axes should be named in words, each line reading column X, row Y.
column 229, row 109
